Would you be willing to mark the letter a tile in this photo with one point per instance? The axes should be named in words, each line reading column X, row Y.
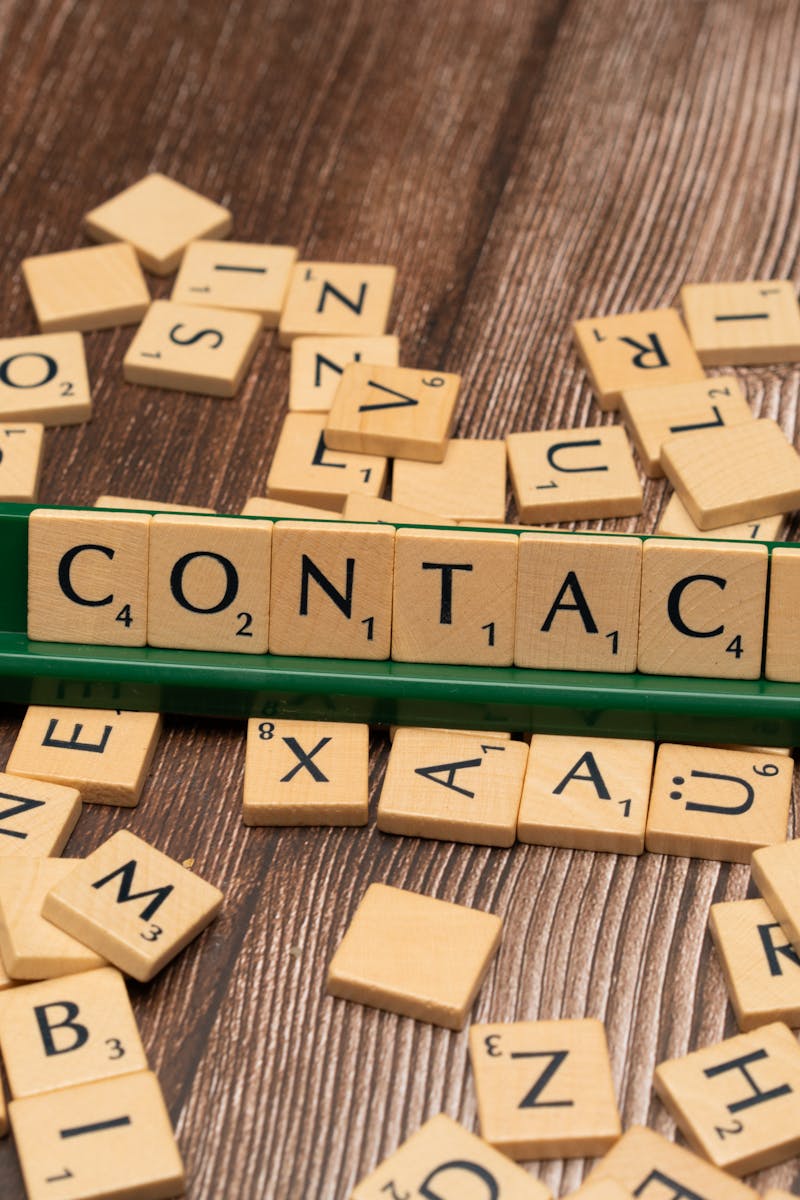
column 743, row 324
column 397, row 411
column 337, row 299
column 573, row 474
column 33, row 948
column 762, row 969
column 36, row 818
column 650, row 1167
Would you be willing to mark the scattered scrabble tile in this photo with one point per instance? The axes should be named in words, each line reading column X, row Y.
column 762, row 969
column 337, row 299
column 468, row 485
column 783, row 626
column 451, row 786
column 586, row 793
column 33, row 948
column 239, row 275
column 107, row 1139
column 485, row 734
column 743, row 324
column 676, row 522
column 305, row 472
column 3, row 1114
column 578, row 602
column 544, row 1088
column 147, row 505
column 640, row 349
column 261, row 506
column 358, row 507
column 132, row 904
column 572, row 474
column 413, row 955
column 398, row 411
column 159, row 217
column 646, row 1164
column 777, row 1194
column 317, row 365
column 93, row 288
column 44, row 378
column 775, row 874
column 736, row 1102
column 601, row 1189
column 105, row 754
column 702, row 608
column 717, row 804
column 20, row 461
column 67, row 1031
column 36, row 818
column 306, row 773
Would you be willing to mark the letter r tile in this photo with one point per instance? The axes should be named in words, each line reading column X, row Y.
column 649, row 1166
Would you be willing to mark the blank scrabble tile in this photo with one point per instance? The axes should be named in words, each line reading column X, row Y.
column 573, row 474
column 717, row 804
column 21, row 448
column 736, row 1102
column 776, row 875
column 586, row 793
column 261, row 506
column 159, row 217
column 373, row 508
column 650, row 1167
column 452, row 786
column 306, row 773
column 98, row 287
column 783, row 623
column 578, row 602
column 544, row 1088
column 468, row 485
column 331, row 590
column 111, row 1138
column 317, row 364
column 104, row 753
column 208, row 583
column 676, row 522
column 148, row 505
column 414, row 955
column 33, row 948
column 304, row 471
column 743, row 324
column 640, row 349
column 190, row 349
column 398, row 411
column 246, row 276
column 454, row 597
column 63, row 1032
column 762, row 969
column 337, row 299
column 43, row 378
column 36, row 818
column 702, row 608
column 132, row 904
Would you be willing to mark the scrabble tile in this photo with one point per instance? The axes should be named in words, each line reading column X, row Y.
column 442, row 1158
column 67, row 1031
column 777, row 1194
column 317, row 364
column 36, row 818
column 107, row 1139
column 762, row 969
column 3, row 1113
column 245, row 276
column 578, row 602
column 132, row 904
column 653, row 414
column 783, row 626
column 485, row 734
column 398, row 411
column 190, row 349
column 573, row 474
column 21, row 449
column 105, row 754
column 148, row 505
column 87, row 577
column 451, row 786
column 337, row 299
column 544, row 1088
column 98, row 287
column 208, row 583
column 640, row 349
column 159, row 217
column 454, row 597
column 469, row 485
column 358, row 507
column 305, row 472
column 743, row 324
column 676, row 522
column 736, row 1102
column 601, row 1189
column 5, row 979
column 775, row 874
column 258, row 506
column 717, row 804
column 414, row 955
column 586, row 793
column 31, row 947
column 650, row 1167
column 44, row 378
column 702, row 608
column 331, row 590
column 306, row 773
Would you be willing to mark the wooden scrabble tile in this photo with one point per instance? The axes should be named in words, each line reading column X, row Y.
column 208, row 583
column 21, row 449
column 736, row 1102
column 358, row 507
column 331, row 590
column 743, row 324
column 414, row 955
column 44, row 378
column 443, row 1156
column 586, row 793
column 305, row 472
column 317, row 364
column 653, row 414
column 36, row 818
column 578, row 602
column 261, row 506
column 66, row 1031
column 246, row 276
column 33, row 948
column 777, row 1194
column 148, row 505
column 600, row 1189
column 775, row 874
column 717, row 804
column 572, row 474
column 646, row 1164
column 783, row 625
column 469, row 485
column 398, row 411
column 93, row 288
column 762, row 969
column 544, row 1088
column 111, row 1138
column 702, row 608
column 5, row 979
column 105, row 754
column 159, row 217
column 132, row 904
column 485, row 734
column 3, row 1113
column 454, row 597
column 676, row 522
column 337, row 299
column 306, row 773
column 451, row 786
column 640, row 349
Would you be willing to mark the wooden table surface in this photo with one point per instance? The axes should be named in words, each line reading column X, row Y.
column 522, row 164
